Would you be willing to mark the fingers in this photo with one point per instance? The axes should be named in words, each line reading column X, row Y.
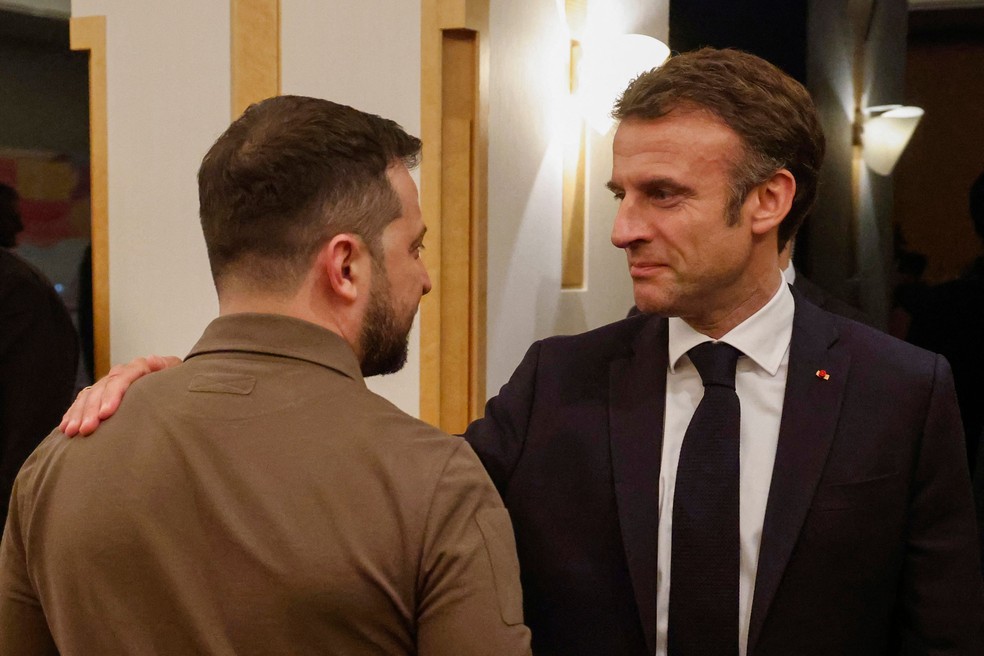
column 73, row 416
column 159, row 362
column 88, row 417
column 79, row 418
column 100, row 401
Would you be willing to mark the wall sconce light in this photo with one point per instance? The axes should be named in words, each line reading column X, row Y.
column 886, row 132
column 606, row 67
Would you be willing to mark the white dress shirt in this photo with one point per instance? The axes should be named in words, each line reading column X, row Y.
column 789, row 274
column 760, row 382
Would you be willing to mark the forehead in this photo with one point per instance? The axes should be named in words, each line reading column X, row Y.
column 690, row 141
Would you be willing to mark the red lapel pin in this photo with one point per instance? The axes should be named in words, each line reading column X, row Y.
column 822, row 373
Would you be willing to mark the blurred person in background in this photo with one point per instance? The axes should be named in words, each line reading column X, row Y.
column 39, row 352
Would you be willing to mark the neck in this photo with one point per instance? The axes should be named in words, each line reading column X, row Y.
column 741, row 306
column 298, row 306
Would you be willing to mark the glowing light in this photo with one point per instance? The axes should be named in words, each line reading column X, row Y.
column 607, row 66
column 887, row 130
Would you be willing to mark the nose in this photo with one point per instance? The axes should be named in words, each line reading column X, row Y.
column 426, row 281
column 627, row 227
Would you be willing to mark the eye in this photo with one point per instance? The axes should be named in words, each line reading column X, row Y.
column 666, row 197
column 619, row 196
column 416, row 249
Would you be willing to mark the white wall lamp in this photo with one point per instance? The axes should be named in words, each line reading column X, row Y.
column 886, row 132
column 606, row 68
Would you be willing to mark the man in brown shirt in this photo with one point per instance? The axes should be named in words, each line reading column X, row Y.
column 259, row 499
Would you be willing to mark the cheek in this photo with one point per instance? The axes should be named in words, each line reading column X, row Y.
column 685, row 247
column 727, row 254
column 409, row 284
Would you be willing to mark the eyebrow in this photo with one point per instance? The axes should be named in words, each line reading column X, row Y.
column 665, row 184
column 656, row 184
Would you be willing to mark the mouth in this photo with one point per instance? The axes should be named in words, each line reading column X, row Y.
column 645, row 269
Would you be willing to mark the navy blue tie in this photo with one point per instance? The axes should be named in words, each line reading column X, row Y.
column 705, row 553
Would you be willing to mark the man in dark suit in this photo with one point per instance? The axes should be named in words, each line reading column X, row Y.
column 856, row 526
column 840, row 518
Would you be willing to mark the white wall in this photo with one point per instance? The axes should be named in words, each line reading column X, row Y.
column 529, row 108
column 367, row 55
column 167, row 67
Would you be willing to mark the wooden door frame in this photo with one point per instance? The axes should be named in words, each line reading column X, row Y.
column 89, row 33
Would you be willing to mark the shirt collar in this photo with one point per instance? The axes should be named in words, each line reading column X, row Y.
column 789, row 273
column 279, row 335
column 764, row 337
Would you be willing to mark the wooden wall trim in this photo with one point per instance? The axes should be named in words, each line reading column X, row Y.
column 255, row 50
column 458, row 233
column 430, row 204
column 443, row 351
column 89, row 33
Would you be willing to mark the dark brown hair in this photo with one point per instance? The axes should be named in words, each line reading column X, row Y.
column 771, row 112
column 289, row 175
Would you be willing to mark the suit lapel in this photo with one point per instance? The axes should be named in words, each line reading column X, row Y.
column 809, row 419
column 636, row 406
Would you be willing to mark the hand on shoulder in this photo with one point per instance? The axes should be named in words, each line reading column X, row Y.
column 100, row 401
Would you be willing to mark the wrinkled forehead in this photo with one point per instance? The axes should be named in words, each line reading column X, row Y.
column 683, row 134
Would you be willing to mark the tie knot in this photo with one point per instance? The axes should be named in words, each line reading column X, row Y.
column 715, row 362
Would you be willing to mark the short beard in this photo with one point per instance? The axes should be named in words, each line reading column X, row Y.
column 383, row 340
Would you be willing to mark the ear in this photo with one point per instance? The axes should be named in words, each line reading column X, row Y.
column 769, row 202
column 345, row 262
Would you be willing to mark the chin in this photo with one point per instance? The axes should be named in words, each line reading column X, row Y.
column 650, row 303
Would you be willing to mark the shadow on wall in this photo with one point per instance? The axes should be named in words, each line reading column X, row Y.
column 572, row 315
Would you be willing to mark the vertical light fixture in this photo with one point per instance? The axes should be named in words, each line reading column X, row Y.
column 572, row 212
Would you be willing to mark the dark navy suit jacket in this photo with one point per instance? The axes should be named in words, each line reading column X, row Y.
column 869, row 543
